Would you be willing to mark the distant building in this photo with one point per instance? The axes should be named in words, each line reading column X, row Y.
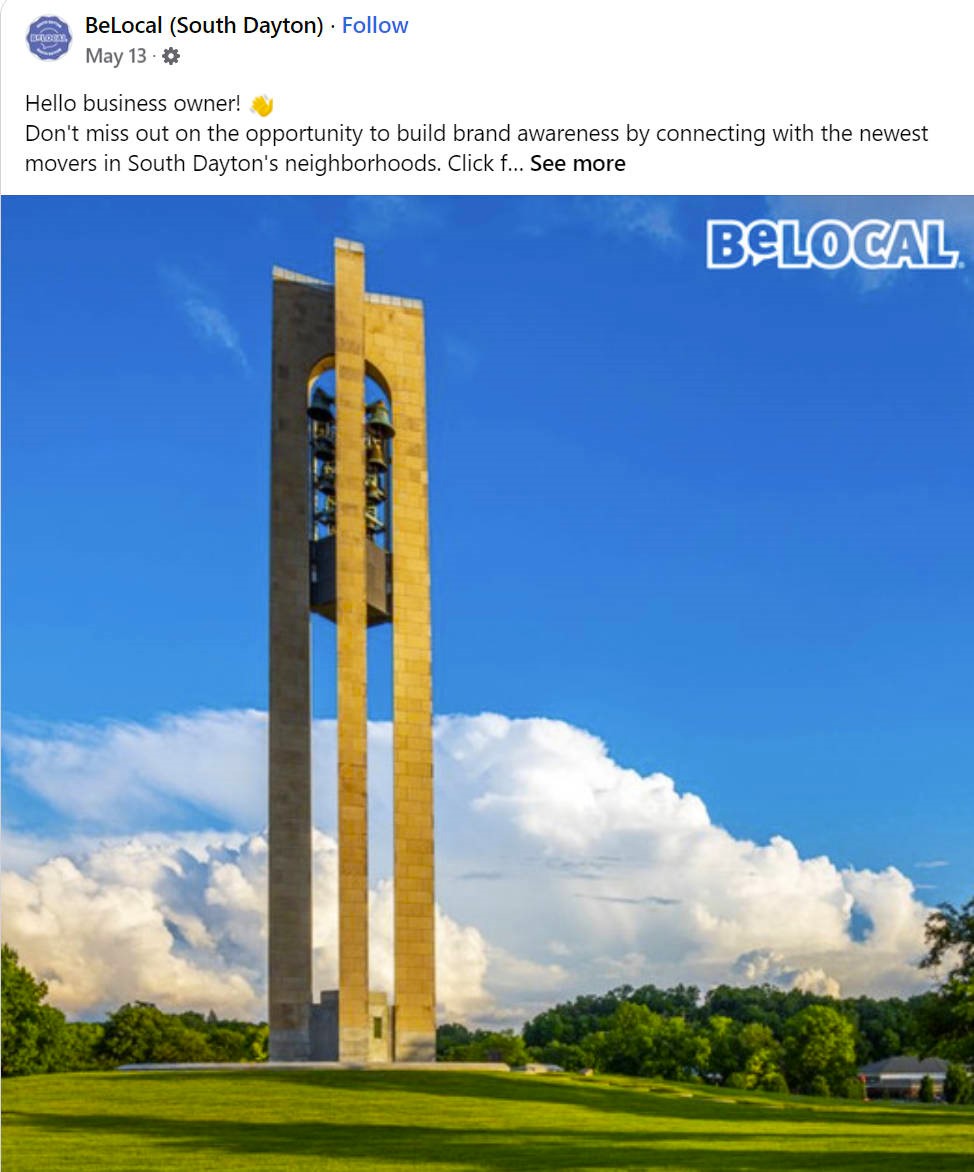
column 900, row 1077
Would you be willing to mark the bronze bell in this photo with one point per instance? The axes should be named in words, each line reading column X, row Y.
column 373, row 488
column 326, row 516
column 376, row 453
column 323, row 439
column 325, row 478
column 320, row 408
column 377, row 417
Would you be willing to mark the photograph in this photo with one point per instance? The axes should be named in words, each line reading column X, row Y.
column 516, row 631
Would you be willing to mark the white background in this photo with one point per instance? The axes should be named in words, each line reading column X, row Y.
column 693, row 63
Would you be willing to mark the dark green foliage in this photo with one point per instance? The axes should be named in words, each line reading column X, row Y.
column 37, row 1039
column 449, row 1037
column 950, row 938
column 498, row 1047
column 574, row 1020
column 638, row 1041
column 563, row 1054
column 958, row 1085
column 776, row 1082
column 759, row 1053
column 819, row 1051
column 83, row 1046
column 927, row 1093
column 853, row 1088
column 737, row 1081
column 950, row 930
column 456, row 1043
column 140, row 1032
column 34, row 1034
column 767, row 1036
column 885, row 1028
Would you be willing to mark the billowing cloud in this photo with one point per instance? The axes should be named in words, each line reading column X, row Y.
column 180, row 920
column 559, row 872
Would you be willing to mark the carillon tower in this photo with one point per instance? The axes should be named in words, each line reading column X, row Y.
column 349, row 542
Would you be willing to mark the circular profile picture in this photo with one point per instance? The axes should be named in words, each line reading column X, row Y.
column 48, row 38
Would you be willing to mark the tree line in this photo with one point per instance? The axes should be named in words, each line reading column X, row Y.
column 37, row 1038
column 760, row 1037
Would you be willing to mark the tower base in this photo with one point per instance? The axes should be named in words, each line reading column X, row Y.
column 327, row 1044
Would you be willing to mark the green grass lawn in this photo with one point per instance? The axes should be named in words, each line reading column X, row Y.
column 356, row 1120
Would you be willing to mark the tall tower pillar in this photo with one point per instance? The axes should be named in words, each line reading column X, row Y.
column 351, row 618
column 349, row 540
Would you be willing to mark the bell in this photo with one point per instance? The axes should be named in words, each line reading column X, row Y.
column 376, row 454
column 377, row 417
column 323, row 439
column 326, row 516
column 374, row 489
column 320, row 408
column 372, row 522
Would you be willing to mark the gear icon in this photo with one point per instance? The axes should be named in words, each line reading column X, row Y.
column 170, row 56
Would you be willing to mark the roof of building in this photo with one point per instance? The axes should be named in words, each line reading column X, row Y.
column 906, row 1064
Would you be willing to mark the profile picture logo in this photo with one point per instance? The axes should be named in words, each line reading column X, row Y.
column 49, row 38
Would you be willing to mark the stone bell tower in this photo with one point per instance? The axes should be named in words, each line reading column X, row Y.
column 350, row 542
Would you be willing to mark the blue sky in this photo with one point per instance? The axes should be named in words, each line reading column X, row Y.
column 719, row 520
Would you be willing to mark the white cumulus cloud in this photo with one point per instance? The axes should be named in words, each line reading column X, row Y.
column 180, row 920
column 559, row 871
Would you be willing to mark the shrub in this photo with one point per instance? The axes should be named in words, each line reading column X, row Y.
column 775, row 1081
column 958, row 1087
column 737, row 1081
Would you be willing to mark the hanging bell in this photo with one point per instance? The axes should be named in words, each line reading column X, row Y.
column 325, row 479
column 377, row 417
column 320, row 408
column 326, row 516
column 373, row 488
column 376, row 453
column 323, row 440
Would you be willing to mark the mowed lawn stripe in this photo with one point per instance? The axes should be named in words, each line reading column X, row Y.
column 386, row 1120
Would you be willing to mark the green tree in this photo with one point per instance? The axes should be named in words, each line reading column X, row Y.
column 83, row 1045
column 949, row 930
column 958, row 1087
column 34, row 1034
column 628, row 1043
column 819, row 1050
column 139, row 1032
column 927, row 1094
column 775, row 1081
column 722, row 1034
column 950, row 937
column 564, row 1054
column 504, row 1046
column 758, row 1054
